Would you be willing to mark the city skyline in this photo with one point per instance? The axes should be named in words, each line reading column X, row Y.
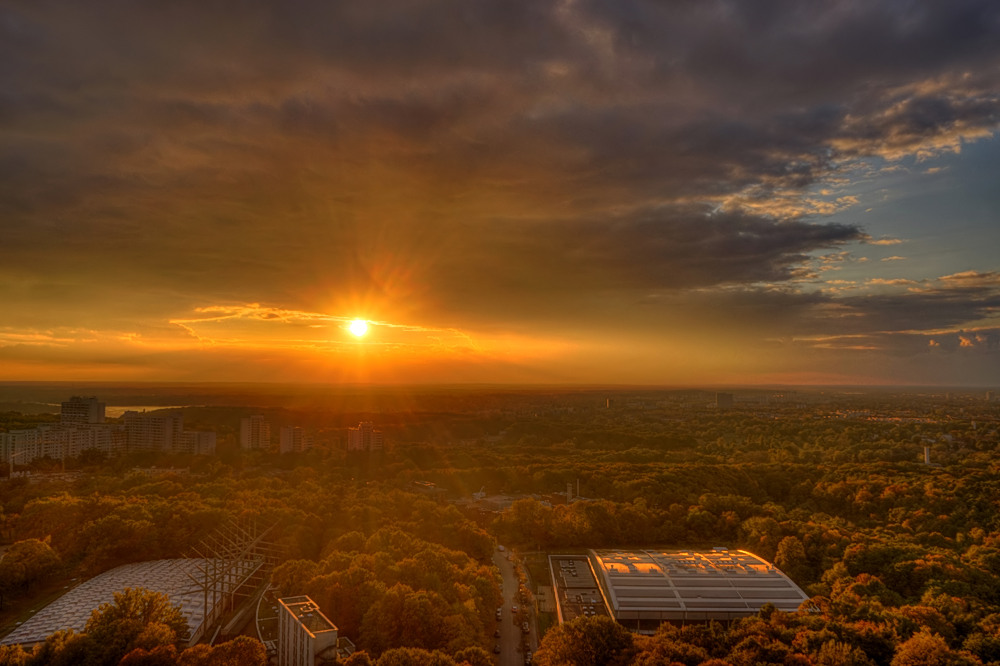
column 717, row 193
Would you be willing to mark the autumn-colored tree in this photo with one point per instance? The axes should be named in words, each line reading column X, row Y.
column 136, row 618
column 162, row 655
column 927, row 649
column 836, row 653
column 24, row 563
column 791, row 559
column 405, row 617
column 474, row 656
column 240, row 651
column 360, row 658
column 408, row 656
column 586, row 641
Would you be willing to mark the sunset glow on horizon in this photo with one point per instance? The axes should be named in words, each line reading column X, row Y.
column 524, row 192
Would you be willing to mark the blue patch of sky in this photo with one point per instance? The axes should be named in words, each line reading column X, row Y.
column 946, row 210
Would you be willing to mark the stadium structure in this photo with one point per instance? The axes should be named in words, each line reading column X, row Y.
column 641, row 589
column 228, row 569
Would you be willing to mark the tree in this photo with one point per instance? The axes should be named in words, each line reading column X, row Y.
column 136, row 618
column 408, row 656
column 359, row 659
column 791, row 559
column 241, row 651
column 163, row 655
column 474, row 656
column 586, row 641
column 927, row 649
column 24, row 563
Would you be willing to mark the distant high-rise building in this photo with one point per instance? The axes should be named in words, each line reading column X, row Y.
column 304, row 633
column 724, row 400
column 990, row 396
column 154, row 432
column 81, row 411
column 255, row 433
column 364, row 438
column 201, row 443
column 292, row 439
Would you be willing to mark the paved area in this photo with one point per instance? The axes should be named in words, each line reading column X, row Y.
column 514, row 642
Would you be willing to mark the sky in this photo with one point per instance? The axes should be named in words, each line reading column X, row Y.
column 673, row 192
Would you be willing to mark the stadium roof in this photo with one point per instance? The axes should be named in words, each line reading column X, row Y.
column 175, row 578
column 686, row 585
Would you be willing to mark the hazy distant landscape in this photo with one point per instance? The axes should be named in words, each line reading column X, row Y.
column 881, row 505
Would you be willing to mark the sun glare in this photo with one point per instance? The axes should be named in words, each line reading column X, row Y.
column 358, row 327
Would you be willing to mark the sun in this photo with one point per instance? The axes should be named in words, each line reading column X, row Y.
column 358, row 327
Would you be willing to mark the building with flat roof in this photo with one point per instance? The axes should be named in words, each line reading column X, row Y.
column 305, row 635
column 641, row 589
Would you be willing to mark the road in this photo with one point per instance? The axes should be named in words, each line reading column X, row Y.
column 512, row 638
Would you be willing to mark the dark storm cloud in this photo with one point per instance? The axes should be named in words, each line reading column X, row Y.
column 508, row 153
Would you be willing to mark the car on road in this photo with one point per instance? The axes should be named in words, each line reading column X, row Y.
column 499, row 613
column 496, row 648
column 496, row 633
column 513, row 609
column 524, row 627
column 527, row 658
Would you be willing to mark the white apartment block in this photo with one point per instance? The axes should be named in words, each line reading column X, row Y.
column 255, row 433
column 82, row 411
column 292, row 439
column 364, row 438
column 154, row 432
column 21, row 447
column 81, row 428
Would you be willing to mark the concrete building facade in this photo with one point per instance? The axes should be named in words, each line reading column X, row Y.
column 292, row 439
column 303, row 632
column 364, row 438
column 255, row 433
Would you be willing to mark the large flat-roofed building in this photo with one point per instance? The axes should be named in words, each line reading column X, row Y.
column 643, row 588
column 304, row 633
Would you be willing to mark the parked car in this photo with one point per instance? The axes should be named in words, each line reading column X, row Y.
column 496, row 648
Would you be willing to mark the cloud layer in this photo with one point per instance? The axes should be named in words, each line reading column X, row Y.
column 548, row 169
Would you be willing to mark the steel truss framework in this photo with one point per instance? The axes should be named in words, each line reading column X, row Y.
column 234, row 562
